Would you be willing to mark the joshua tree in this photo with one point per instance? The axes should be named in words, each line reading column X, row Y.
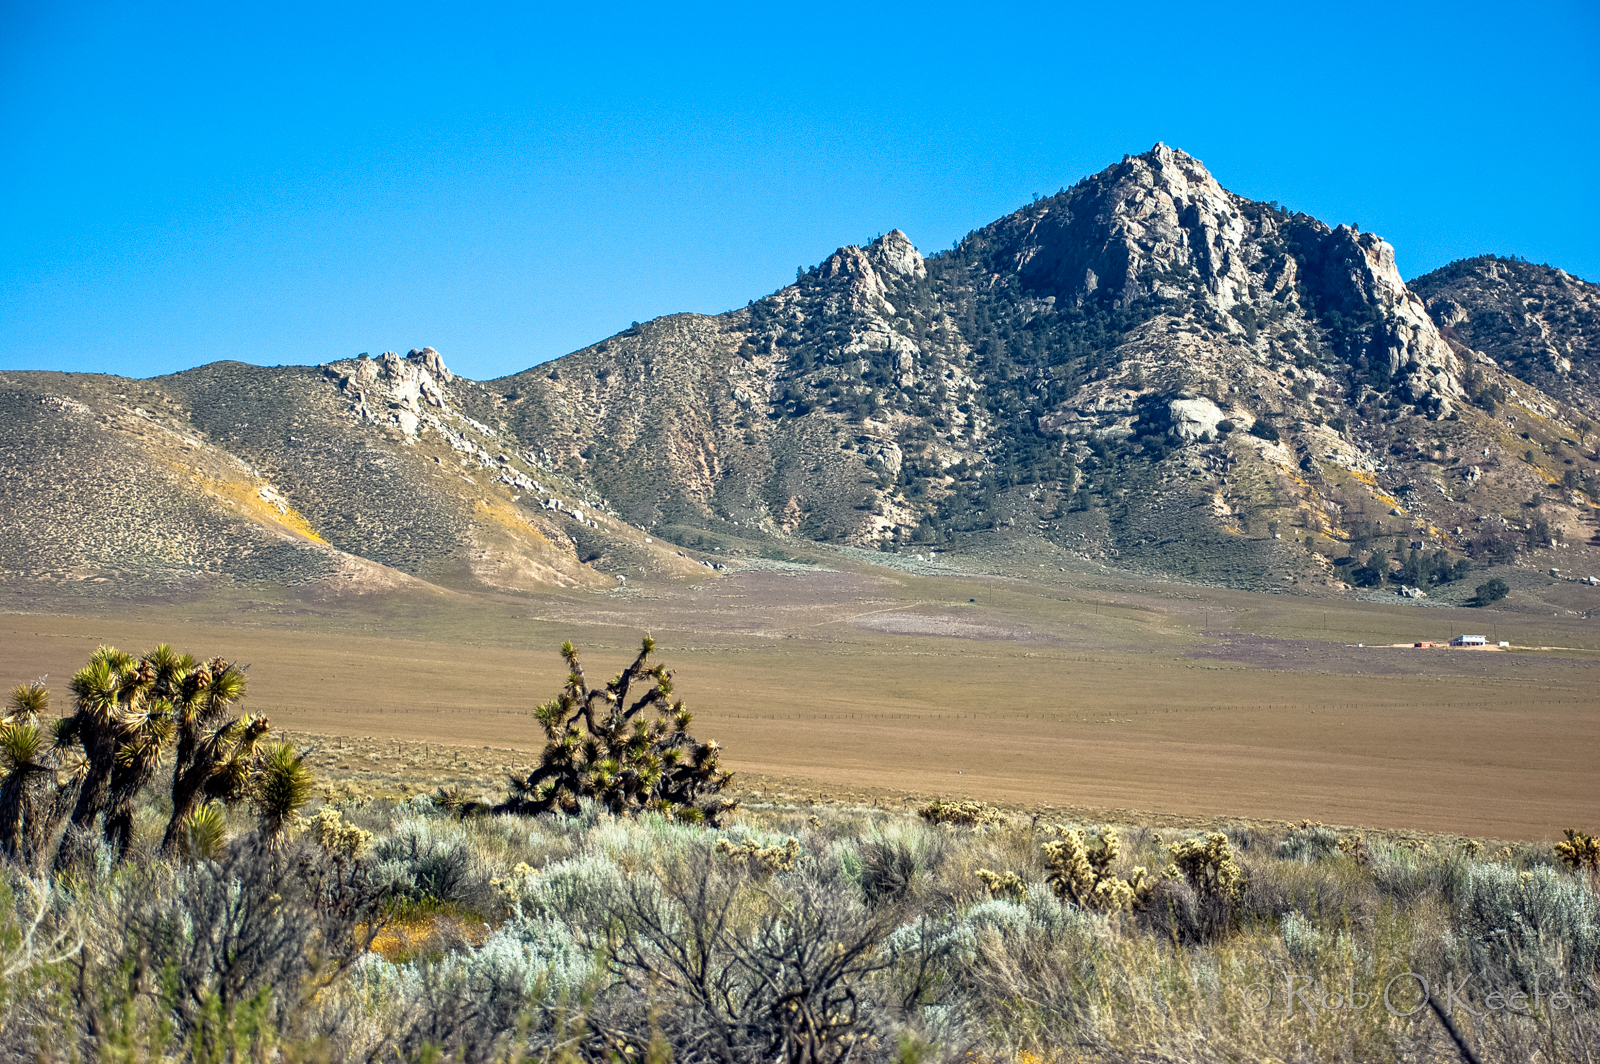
column 216, row 753
column 602, row 745
column 32, row 801
column 126, row 712
column 120, row 727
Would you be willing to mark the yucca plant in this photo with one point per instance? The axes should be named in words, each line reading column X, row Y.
column 279, row 787
column 205, row 831
column 627, row 746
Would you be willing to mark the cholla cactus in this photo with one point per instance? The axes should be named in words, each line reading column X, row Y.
column 1007, row 885
column 966, row 814
column 512, row 888
column 1355, row 846
column 765, row 859
column 1079, row 869
column 602, row 745
column 342, row 840
column 1209, row 866
column 1580, row 852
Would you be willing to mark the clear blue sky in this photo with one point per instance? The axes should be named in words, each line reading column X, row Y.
column 284, row 182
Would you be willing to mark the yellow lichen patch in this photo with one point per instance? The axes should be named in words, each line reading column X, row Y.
column 1366, row 478
column 508, row 518
column 249, row 498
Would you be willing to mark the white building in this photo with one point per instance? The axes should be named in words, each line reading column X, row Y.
column 1469, row 641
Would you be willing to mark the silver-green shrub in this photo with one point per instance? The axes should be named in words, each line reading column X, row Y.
column 431, row 860
column 1309, row 842
column 1528, row 924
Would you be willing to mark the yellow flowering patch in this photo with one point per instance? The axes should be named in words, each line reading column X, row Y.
column 248, row 497
column 509, row 518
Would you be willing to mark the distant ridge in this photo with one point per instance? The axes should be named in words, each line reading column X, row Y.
column 1144, row 370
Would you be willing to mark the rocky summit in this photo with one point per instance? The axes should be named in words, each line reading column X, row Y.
column 1143, row 371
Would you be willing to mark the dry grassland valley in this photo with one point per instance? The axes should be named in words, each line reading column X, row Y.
column 1049, row 649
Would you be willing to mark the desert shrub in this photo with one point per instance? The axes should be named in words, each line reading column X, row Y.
column 1335, row 891
column 575, row 889
column 41, row 935
column 1174, row 913
column 597, row 937
column 1309, row 842
column 899, row 860
column 967, row 814
column 1526, row 924
column 1016, row 970
column 423, row 860
column 745, row 968
column 958, row 937
column 889, row 870
column 471, row 1003
column 1407, row 874
column 204, row 960
column 1304, row 941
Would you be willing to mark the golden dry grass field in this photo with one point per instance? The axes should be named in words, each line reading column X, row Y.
column 1071, row 690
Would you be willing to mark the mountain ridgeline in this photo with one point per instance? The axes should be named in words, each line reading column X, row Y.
column 1143, row 370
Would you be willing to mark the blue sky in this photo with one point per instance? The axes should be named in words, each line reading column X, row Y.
column 292, row 183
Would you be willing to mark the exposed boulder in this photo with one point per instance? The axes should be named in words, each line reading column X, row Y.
column 1194, row 419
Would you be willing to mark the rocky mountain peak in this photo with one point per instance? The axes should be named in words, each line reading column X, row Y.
column 859, row 279
column 432, row 363
column 893, row 252
column 1154, row 220
column 1144, row 369
column 396, row 390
